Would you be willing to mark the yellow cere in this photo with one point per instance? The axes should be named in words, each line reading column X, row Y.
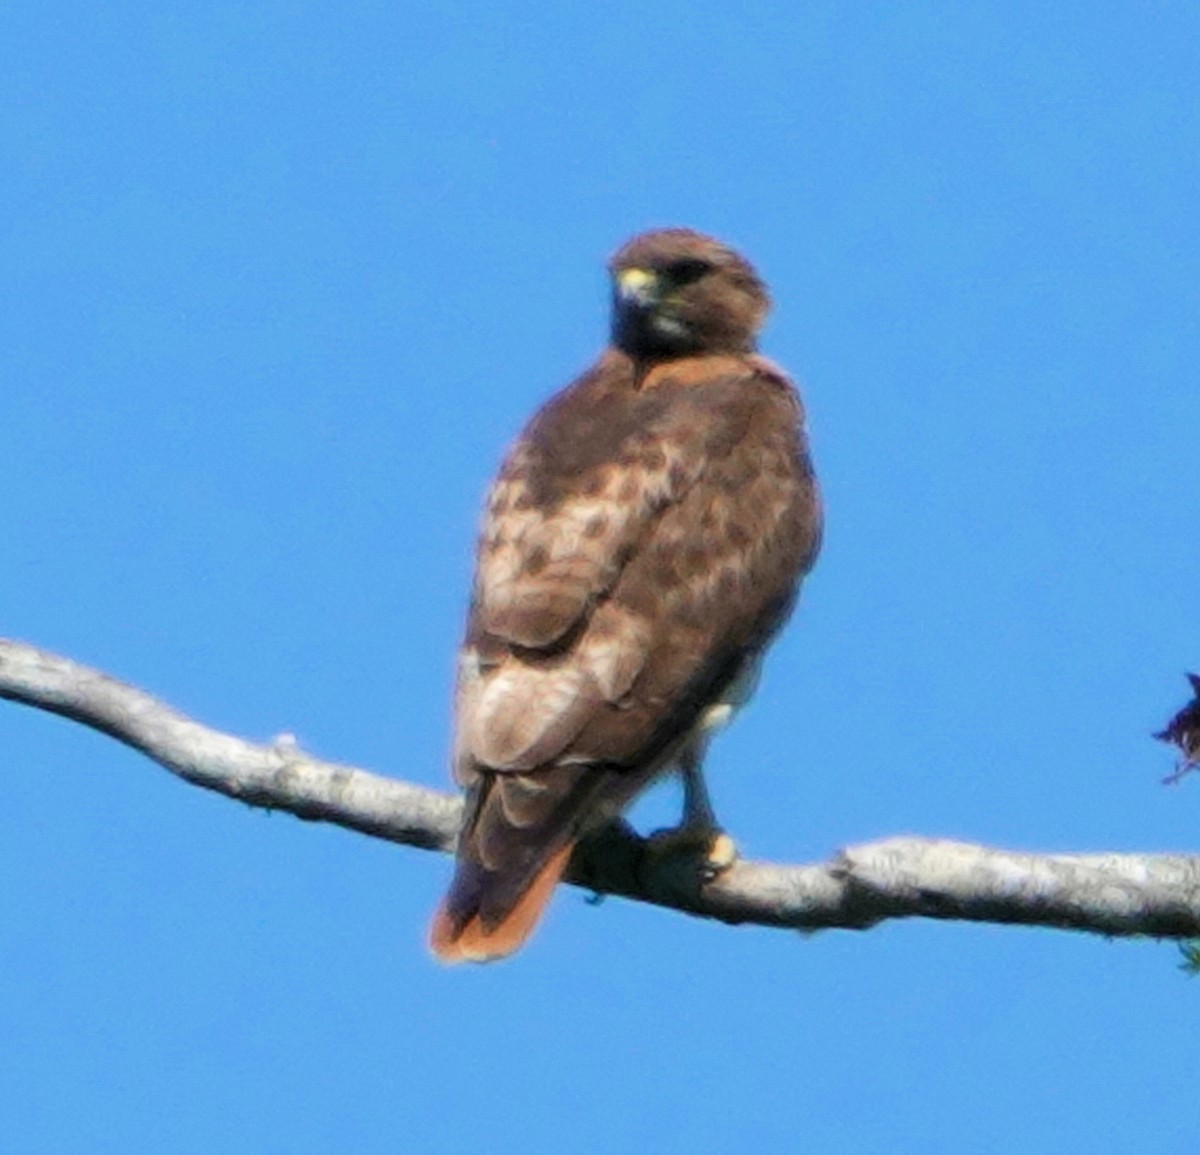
column 635, row 280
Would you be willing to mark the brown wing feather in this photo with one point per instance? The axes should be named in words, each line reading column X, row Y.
column 643, row 539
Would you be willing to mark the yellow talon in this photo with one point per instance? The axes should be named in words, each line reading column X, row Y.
column 722, row 854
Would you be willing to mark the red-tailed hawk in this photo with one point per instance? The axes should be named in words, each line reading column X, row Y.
column 643, row 542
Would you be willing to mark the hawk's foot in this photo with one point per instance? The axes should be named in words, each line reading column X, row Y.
column 722, row 854
column 709, row 848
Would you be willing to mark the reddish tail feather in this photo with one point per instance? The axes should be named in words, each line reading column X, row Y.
column 454, row 940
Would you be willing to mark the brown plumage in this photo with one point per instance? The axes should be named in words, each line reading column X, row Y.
column 643, row 542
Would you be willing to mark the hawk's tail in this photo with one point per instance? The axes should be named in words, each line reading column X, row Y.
column 460, row 932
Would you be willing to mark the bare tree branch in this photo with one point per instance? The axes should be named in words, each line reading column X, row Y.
column 1109, row 894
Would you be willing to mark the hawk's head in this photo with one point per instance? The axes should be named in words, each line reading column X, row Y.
column 678, row 293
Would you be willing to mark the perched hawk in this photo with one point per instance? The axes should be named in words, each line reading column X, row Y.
column 643, row 542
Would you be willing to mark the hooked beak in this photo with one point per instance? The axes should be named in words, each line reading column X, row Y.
column 637, row 287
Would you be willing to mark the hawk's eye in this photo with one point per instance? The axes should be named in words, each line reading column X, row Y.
column 689, row 269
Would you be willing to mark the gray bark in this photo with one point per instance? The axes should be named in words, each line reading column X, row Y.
column 1108, row 894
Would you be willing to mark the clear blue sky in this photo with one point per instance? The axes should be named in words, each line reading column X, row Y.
column 278, row 283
